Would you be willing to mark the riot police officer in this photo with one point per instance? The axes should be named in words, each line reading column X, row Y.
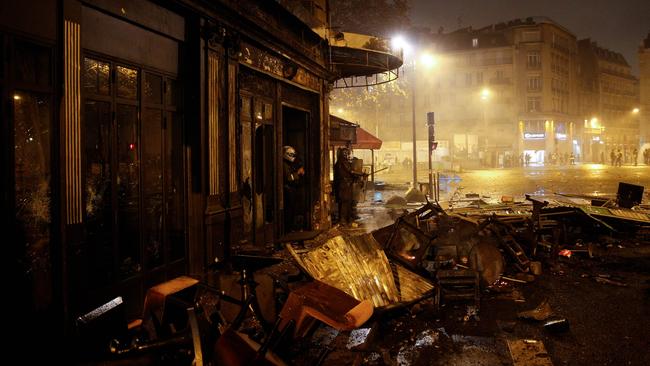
column 344, row 178
column 293, row 171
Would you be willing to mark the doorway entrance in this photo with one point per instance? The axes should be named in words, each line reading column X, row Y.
column 258, row 168
column 297, row 199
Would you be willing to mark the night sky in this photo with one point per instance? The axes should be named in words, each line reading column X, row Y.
column 619, row 25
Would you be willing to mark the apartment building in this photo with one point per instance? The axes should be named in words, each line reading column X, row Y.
column 511, row 87
column 608, row 103
column 644, row 89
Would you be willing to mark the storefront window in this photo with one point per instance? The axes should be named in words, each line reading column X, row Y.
column 127, row 82
column 134, row 191
column 32, row 169
column 28, row 136
column 96, row 77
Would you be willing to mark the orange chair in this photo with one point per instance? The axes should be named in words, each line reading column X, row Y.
column 156, row 301
column 319, row 301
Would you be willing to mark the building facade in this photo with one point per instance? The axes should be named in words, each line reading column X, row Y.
column 513, row 86
column 608, row 98
column 147, row 141
column 507, row 93
column 644, row 89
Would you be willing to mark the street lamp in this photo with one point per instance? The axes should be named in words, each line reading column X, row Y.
column 427, row 60
column 485, row 96
column 485, row 93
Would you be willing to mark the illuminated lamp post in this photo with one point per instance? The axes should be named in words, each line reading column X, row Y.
column 428, row 61
column 485, row 96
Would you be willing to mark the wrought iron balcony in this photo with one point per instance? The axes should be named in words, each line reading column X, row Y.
column 361, row 60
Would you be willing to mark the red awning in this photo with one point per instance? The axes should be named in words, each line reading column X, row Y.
column 365, row 140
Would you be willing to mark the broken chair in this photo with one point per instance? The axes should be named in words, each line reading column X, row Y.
column 319, row 301
column 457, row 284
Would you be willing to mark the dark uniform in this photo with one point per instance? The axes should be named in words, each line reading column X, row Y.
column 344, row 178
column 292, row 172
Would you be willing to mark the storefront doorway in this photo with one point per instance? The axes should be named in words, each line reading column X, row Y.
column 295, row 127
column 536, row 157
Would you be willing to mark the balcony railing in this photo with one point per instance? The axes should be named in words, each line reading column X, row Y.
column 362, row 60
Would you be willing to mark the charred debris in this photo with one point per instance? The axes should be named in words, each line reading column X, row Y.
column 428, row 258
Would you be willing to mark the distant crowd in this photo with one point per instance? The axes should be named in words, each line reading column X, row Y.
column 618, row 157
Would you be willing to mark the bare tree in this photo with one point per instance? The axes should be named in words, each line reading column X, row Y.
column 375, row 17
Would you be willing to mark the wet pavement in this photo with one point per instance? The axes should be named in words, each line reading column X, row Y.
column 581, row 178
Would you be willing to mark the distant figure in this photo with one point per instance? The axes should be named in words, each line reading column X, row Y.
column 407, row 163
column 635, row 155
column 572, row 159
column 612, row 157
column 619, row 157
column 602, row 157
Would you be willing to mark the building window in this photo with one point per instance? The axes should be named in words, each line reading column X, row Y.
column 534, row 60
column 479, row 77
column 531, row 36
column 534, row 126
column 468, row 79
column 559, row 42
column 499, row 75
column 475, row 42
column 30, row 167
column 534, row 83
column 534, row 104
column 132, row 143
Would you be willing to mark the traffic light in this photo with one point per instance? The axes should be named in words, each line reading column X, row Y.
column 432, row 132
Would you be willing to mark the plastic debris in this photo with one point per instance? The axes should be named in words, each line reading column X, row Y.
column 557, row 325
column 543, row 311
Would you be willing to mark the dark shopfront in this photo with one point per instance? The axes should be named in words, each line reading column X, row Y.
column 275, row 114
column 137, row 129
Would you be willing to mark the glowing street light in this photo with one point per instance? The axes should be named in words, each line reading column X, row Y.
column 400, row 43
column 485, row 94
column 428, row 60
column 594, row 122
column 635, row 110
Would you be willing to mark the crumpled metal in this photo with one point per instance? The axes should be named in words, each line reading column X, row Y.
column 358, row 266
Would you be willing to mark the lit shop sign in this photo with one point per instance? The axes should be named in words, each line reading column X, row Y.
column 560, row 136
column 595, row 138
column 534, row 136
